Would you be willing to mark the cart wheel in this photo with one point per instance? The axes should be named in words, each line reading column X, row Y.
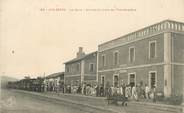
column 122, row 104
column 125, row 104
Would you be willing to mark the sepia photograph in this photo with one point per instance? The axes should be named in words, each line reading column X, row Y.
column 91, row 56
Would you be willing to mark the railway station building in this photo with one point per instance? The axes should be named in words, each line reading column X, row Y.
column 153, row 55
column 82, row 69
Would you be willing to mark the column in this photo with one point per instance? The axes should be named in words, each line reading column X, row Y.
column 97, row 63
column 167, row 64
column 82, row 71
column 183, row 94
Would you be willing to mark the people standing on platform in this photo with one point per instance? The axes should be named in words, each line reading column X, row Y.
column 115, row 91
column 69, row 88
column 75, row 87
column 138, row 90
column 122, row 89
column 110, row 91
column 92, row 89
column 45, row 88
column 134, row 93
column 88, row 89
column 118, row 90
column 97, row 90
column 154, row 93
column 84, row 89
column 127, row 91
column 130, row 90
column 101, row 90
column 147, row 91
column 79, row 89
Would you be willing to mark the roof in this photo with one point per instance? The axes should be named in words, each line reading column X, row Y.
column 167, row 20
column 54, row 75
column 140, row 33
column 79, row 58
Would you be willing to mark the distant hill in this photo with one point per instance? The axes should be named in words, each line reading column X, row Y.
column 5, row 79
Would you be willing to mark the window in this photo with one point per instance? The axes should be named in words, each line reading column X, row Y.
column 182, row 27
column 152, row 49
column 132, row 54
column 132, row 79
column 152, row 79
column 116, row 58
column 91, row 67
column 116, row 81
column 67, row 69
column 72, row 68
column 103, row 60
column 78, row 67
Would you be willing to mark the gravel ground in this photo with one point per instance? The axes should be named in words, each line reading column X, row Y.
column 15, row 102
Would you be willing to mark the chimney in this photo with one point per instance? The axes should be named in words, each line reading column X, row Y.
column 80, row 53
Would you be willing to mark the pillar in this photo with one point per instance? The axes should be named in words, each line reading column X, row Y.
column 82, row 71
column 183, row 94
column 167, row 64
column 97, row 63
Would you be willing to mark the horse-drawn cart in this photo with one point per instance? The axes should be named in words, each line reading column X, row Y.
column 115, row 99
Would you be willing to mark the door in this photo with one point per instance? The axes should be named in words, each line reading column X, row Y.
column 103, row 81
column 152, row 80
column 132, row 80
column 116, row 81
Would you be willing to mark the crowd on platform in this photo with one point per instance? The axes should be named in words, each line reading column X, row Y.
column 135, row 92
column 130, row 91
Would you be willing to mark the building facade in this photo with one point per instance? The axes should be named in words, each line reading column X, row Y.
column 54, row 82
column 82, row 69
column 153, row 55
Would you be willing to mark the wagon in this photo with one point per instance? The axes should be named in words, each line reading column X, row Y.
column 115, row 99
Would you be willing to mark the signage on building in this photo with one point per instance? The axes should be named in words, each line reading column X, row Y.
column 123, row 71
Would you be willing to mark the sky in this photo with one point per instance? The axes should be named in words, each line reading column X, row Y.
column 35, row 39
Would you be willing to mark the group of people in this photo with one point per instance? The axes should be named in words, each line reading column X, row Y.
column 85, row 89
column 134, row 92
column 130, row 91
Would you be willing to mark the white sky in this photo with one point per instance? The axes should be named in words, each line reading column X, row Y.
column 43, row 40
